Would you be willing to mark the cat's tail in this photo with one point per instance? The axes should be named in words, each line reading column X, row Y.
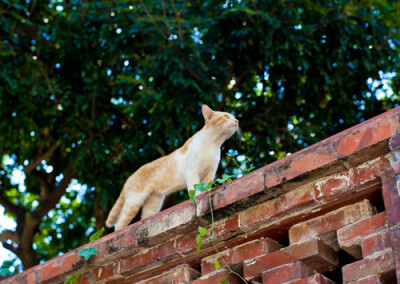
column 115, row 211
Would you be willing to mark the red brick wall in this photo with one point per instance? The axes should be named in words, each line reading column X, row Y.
column 327, row 214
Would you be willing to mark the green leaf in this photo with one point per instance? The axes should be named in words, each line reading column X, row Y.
column 201, row 187
column 209, row 185
column 225, row 178
column 73, row 278
column 202, row 231
column 192, row 195
column 217, row 265
column 224, row 281
column 199, row 242
column 96, row 235
column 3, row 271
column 87, row 253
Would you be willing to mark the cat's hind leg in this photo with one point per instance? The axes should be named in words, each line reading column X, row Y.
column 152, row 204
column 132, row 204
column 115, row 211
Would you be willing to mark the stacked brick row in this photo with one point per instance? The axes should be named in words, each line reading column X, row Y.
column 327, row 214
column 313, row 250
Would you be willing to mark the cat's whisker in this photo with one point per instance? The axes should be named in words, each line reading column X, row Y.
column 239, row 134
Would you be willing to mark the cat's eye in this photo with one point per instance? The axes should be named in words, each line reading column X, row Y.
column 227, row 116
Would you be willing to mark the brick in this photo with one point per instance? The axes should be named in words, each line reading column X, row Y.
column 346, row 183
column 350, row 236
column 286, row 204
column 166, row 224
column 394, row 142
column 116, row 245
column 375, row 243
column 223, row 229
column 391, row 198
column 395, row 240
column 253, row 268
column 148, row 258
column 370, row 169
column 232, row 192
column 396, row 167
column 333, row 184
column 217, row 276
column 315, row 279
column 315, row 254
column 377, row 264
column 238, row 254
column 180, row 274
column 288, row 272
column 60, row 265
column 303, row 162
column 330, row 222
column 363, row 137
column 239, row 189
column 310, row 159
column 369, row 280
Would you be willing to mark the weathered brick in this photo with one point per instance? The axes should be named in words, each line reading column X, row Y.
column 285, row 204
column 333, row 184
column 288, row 272
column 395, row 241
column 116, row 245
column 180, row 274
column 350, row 236
column 346, row 183
column 370, row 169
column 396, row 167
column 369, row 280
column 231, row 193
column 253, row 268
column 391, row 198
column 238, row 254
column 217, row 276
column 394, row 142
column 376, row 264
column 223, row 229
column 375, row 243
column 314, row 253
column 309, row 159
column 331, row 221
column 166, row 224
column 148, row 258
column 315, row 279
column 239, row 189
column 363, row 137
column 58, row 266
column 106, row 274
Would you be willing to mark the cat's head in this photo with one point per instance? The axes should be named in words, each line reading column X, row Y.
column 223, row 122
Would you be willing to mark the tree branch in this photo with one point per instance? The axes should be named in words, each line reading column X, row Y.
column 36, row 162
column 46, row 204
column 191, row 72
column 9, row 235
column 14, row 210
column 46, row 187
column 10, row 248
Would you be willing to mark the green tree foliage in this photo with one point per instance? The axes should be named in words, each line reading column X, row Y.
column 91, row 90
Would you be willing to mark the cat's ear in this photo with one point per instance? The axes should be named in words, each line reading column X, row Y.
column 207, row 112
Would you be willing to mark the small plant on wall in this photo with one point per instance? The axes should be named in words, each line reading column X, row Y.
column 203, row 231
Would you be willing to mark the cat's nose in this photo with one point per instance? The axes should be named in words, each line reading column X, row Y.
column 237, row 122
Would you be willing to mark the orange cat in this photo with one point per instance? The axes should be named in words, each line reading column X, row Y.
column 195, row 162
